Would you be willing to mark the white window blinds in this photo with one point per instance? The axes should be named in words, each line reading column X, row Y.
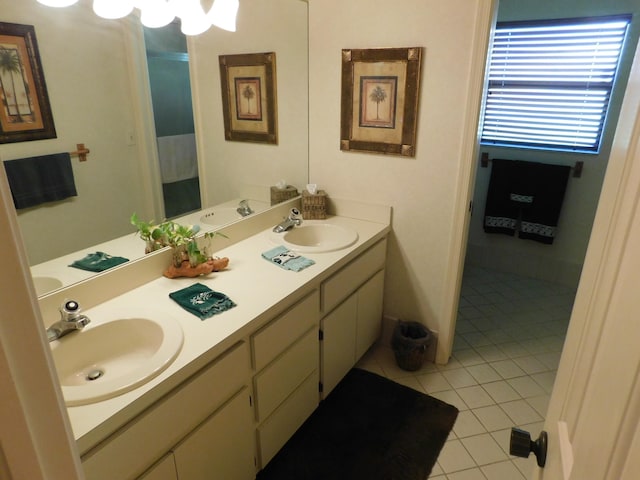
column 550, row 82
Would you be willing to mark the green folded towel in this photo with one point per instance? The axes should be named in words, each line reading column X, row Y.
column 287, row 259
column 98, row 262
column 202, row 301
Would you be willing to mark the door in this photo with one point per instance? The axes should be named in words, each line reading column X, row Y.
column 594, row 410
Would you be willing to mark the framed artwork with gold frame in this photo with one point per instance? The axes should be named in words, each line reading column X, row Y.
column 249, row 103
column 25, row 113
column 379, row 104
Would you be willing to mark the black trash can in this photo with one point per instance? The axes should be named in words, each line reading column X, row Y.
column 410, row 342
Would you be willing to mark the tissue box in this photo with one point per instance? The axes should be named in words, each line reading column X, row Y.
column 314, row 206
column 279, row 195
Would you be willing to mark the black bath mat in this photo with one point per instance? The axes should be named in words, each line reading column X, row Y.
column 368, row 428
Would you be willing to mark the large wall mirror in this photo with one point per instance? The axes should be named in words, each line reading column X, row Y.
column 98, row 86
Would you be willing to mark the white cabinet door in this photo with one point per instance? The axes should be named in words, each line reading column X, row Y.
column 163, row 470
column 369, row 319
column 338, row 343
column 222, row 447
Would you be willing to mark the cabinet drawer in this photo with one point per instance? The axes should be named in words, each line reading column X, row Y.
column 276, row 336
column 347, row 280
column 130, row 451
column 280, row 426
column 278, row 380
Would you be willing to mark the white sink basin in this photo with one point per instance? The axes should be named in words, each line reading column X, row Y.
column 107, row 359
column 46, row 284
column 220, row 216
column 316, row 236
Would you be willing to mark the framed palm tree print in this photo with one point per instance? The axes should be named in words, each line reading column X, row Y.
column 25, row 113
column 379, row 105
column 248, row 84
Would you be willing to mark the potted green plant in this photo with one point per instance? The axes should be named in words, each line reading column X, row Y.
column 187, row 258
column 153, row 235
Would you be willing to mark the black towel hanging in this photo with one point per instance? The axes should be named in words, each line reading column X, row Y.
column 36, row 180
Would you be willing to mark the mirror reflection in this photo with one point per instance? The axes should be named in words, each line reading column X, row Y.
column 97, row 76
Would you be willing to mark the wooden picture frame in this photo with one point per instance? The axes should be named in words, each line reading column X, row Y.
column 379, row 104
column 25, row 112
column 249, row 103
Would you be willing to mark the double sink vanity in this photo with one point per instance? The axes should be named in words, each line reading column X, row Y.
column 176, row 397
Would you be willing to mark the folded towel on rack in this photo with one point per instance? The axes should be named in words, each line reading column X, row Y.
column 98, row 262
column 509, row 192
column 202, row 301
column 285, row 258
column 539, row 222
column 36, row 180
column 525, row 197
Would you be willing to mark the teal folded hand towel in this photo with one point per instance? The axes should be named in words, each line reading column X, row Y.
column 98, row 262
column 202, row 301
column 285, row 258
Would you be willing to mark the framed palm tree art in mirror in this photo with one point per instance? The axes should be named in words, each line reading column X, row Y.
column 25, row 112
column 249, row 103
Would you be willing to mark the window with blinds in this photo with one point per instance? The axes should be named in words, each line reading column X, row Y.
column 550, row 82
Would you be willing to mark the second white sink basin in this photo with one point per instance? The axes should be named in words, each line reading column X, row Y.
column 110, row 358
column 220, row 216
column 316, row 236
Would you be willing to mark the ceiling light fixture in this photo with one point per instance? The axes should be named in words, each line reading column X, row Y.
column 158, row 13
column 57, row 3
column 112, row 9
column 193, row 20
column 155, row 13
column 223, row 14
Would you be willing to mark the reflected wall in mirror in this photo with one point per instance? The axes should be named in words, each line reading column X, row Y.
column 98, row 85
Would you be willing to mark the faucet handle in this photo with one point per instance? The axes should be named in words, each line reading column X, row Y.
column 70, row 310
column 294, row 213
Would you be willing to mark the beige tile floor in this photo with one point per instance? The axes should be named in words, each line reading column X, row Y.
column 509, row 336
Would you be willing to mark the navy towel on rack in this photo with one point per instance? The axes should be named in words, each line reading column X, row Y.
column 509, row 192
column 525, row 197
column 540, row 221
column 36, row 180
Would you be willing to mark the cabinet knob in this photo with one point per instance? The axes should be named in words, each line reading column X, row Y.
column 521, row 445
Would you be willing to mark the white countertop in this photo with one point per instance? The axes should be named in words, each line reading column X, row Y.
column 259, row 288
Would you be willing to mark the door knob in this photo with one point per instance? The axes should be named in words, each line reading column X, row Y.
column 521, row 445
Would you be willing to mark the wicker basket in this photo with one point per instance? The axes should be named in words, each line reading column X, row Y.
column 314, row 206
column 279, row 195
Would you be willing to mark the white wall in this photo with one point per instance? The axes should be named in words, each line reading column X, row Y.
column 421, row 190
column 228, row 169
column 84, row 61
column 562, row 261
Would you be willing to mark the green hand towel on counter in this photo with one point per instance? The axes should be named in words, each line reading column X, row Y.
column 202, row 301
column 285, row 258
column 98, row 262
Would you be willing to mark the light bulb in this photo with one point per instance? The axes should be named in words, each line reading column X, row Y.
column 112, row 9
column 155, row 13
column 57, row 3
column 223, row 14
column 192, row 18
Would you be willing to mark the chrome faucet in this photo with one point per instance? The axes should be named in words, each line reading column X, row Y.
column 70, row 321
column 244, row 209
column 293, row 220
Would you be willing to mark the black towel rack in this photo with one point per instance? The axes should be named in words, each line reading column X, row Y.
column 577, row 168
